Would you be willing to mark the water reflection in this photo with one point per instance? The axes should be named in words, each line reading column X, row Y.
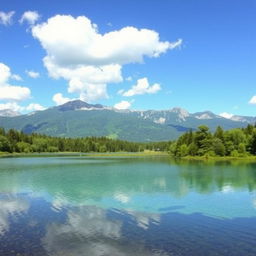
column 218, row 176
column 77, row 206
column 11, row 207
column 80, row 179
column 149, row 185
column 91, row 230
column 86, row 229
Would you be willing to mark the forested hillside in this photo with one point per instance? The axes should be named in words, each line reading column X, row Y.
column 16, row 141
column 79, row 119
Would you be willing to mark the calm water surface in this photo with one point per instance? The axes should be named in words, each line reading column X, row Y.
column 76, row 206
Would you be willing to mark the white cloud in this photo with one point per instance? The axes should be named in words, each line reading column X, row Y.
column 226, row 115
column 16, row 93
column 123, row 105
column 11, row 92
column 35, row 107
column 17, row 108
column 129, row 78
column 160, row 120
column 89, row 60
column 31, row 17
column 142, row 87
column 16, row 77
column 59, row 99
column 253, row 100
column 11, row 105
column 6, row 18
column 5, row 74
column 32, row 74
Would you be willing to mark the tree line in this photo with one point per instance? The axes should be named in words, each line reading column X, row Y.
column 237, row 142
column 17, row 141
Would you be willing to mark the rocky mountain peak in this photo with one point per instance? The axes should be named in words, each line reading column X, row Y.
column 78, row 105
column 181, row 112
column 205, row 115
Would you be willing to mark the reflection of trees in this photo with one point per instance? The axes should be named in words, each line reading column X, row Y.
column 78, row 181
column 207, row 177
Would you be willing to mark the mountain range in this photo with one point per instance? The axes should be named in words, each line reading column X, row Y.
column 78, row 119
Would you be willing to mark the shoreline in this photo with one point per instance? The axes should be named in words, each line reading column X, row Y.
column 128, row 154
column 217, row 158
column 89, row 154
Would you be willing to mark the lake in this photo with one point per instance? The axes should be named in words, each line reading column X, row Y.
column 76, row 206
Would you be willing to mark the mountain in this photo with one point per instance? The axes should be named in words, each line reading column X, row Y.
column 78, row 118
column 246, row 119
column 9, row 113
column 78, row 105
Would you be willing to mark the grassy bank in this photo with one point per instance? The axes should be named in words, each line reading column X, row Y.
column 92, row 154
column 219, row 158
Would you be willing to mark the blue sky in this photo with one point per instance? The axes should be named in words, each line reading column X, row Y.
column 203, row 59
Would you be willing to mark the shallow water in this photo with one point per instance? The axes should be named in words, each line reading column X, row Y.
column 126, row 206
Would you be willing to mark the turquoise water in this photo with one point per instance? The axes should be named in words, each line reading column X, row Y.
column 126, row 206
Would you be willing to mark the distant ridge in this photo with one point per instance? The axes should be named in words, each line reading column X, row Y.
column 79, row 119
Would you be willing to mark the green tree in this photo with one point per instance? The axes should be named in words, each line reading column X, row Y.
column 193, row 149
column 203, row 140
column 24, row 147
column 39, row 145
column 219, row 133
column 218, row 147
column 4, row 144
column 253, row 143
column 241, row 149
column 183, row 151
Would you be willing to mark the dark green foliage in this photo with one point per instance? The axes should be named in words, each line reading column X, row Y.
column 252, row 148
column 15, row 141
column 236, row 142
column 4, row 144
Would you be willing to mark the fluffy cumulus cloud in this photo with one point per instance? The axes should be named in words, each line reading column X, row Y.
column 6, row 18
column 253, row 100
column 142, row 87
column 32, row 74
column 16, row 93
column 123, row 105
column 31, row 17
column 34, row 107
column 89, row 60
column 59, row 99
column 14, row 106
column 11, row 105
column 11, row 92
column 226, row 115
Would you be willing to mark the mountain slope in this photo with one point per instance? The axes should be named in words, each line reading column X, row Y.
column 97, row 122
column 78, row 119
